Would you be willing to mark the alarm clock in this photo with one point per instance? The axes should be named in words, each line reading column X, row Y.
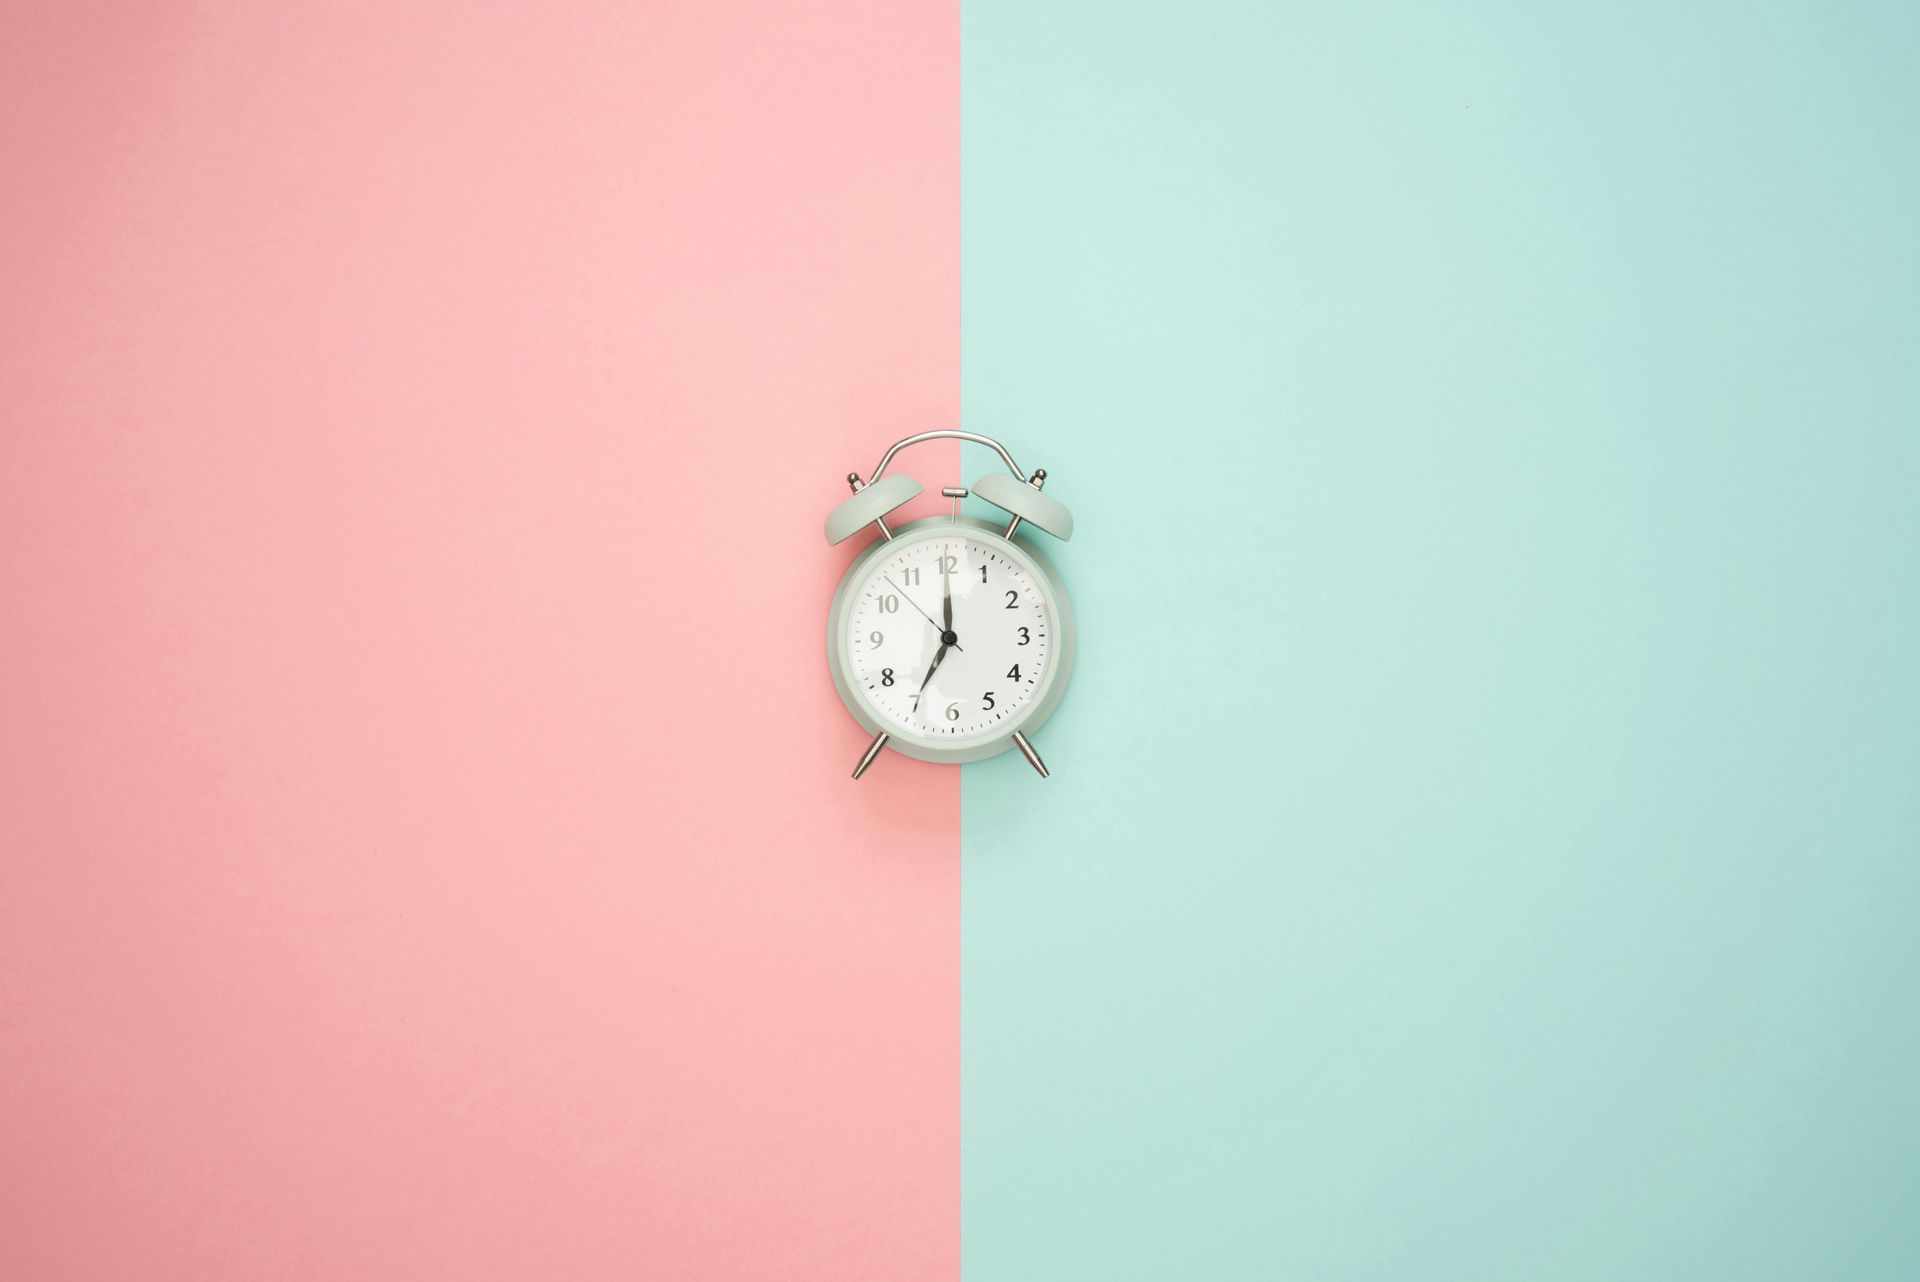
column 950, row 639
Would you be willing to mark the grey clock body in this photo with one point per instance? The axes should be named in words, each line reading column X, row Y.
column 924, row 739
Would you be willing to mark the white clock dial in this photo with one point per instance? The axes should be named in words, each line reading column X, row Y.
column 951, row 677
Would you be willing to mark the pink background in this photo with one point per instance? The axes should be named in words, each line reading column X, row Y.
column 427, row 844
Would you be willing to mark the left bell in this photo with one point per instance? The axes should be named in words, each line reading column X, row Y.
column 869, row 504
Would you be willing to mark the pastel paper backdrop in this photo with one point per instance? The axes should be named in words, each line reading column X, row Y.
column 427, row 844
column 1482, row 833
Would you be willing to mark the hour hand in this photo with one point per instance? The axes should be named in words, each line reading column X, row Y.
column 938, row 655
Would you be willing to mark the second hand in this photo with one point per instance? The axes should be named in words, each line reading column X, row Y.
column 923, row 614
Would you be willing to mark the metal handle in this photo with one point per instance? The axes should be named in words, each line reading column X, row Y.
column 948, row 434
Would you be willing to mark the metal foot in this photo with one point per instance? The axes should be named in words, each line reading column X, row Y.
column 873, row 750
column 1026, row 750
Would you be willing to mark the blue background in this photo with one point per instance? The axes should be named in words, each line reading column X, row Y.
column 1484, row 827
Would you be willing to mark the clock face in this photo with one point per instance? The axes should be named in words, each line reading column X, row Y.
column 949, row 638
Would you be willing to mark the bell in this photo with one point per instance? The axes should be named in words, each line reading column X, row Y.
column 1026, row 502
column 869, row 504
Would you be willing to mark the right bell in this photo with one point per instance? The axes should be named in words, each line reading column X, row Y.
column 1027, row 503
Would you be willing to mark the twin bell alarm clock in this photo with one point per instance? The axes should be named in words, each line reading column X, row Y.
column 949, row 638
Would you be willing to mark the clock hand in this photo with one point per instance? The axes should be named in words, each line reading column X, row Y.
column 938, row 655
column 946, row 593
column 923, row 614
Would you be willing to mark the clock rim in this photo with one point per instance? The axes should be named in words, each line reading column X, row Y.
column 1053, row 685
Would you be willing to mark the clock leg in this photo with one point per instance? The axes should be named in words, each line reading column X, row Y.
column 873, row 750
column 1026, row 750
